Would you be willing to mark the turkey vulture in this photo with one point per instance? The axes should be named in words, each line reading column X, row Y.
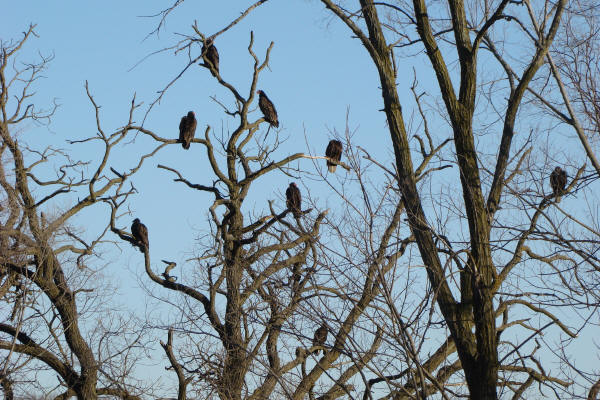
column 268, row 109
column 211, row 55
column 187, row 129
column 558, row 181
column 334, row 151
column 320, row 337
column 140, row 234
column 296, row 275
column 293, row 199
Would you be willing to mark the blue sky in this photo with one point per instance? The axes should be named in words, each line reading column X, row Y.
column 102, row 45
column 317, row 72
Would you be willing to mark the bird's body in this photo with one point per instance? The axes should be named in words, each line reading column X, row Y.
column 294, row 199
column 296, row 275
column 212, row 55
column 140, row 234
column 558, row 181
column 334, row 152
column 268, row 109
column 187, row 129
column 320, row 337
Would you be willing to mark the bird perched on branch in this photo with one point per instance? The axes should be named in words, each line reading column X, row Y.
column 187, row 129
column 296, row 276
column 140, row 234
column 268, row 109
column 211, row 54
column 558, row 181
column 320, row 337
column 294, row 199
column 334, row 152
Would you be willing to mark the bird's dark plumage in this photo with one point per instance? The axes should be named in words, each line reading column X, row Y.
column 296, row 275
column 294, row 199
column 140, row 233
column 320, row 337
column 334, row 151
column 187, row 129
column 268, row 109
column 211, row 54
column 558, row 181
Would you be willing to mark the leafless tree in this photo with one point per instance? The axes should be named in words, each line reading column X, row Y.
column 476, row 248
column 494, row 196
column 575, row 74
column 258, row 283
column 47, row 292
column 445, row 274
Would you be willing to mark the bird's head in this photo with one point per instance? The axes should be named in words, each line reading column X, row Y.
column 136, row 221
column 557, row 170
column 191, row 114
column 293, row 184
column 260, row 92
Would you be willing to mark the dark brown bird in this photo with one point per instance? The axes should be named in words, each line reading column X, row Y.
column 296, row 275
column 558, row 181
column 211, row 55
column 140, row 234
column 268, row 109
column 187, row 129
column 334, row 151
column 320, row 337
column 294, row 199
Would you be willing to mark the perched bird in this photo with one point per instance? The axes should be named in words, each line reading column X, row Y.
column 268, row 109
column 300, row 353
column 334, row 151
column 294, row 198
column 140, row 234
column 558, row 181
column 187, row 129
column 296, row 275
column 211, row 54
column 320, row 337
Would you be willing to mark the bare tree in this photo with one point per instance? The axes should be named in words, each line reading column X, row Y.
column 504, row 225
column 575, row 72
column 44, row 270
column 409, row 288
column 256, row 282
column 486, row 259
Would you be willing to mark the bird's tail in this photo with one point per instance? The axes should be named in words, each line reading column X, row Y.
column 331, row 167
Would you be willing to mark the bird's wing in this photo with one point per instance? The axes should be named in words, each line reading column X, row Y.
column 192, row 126
column 329, row 150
